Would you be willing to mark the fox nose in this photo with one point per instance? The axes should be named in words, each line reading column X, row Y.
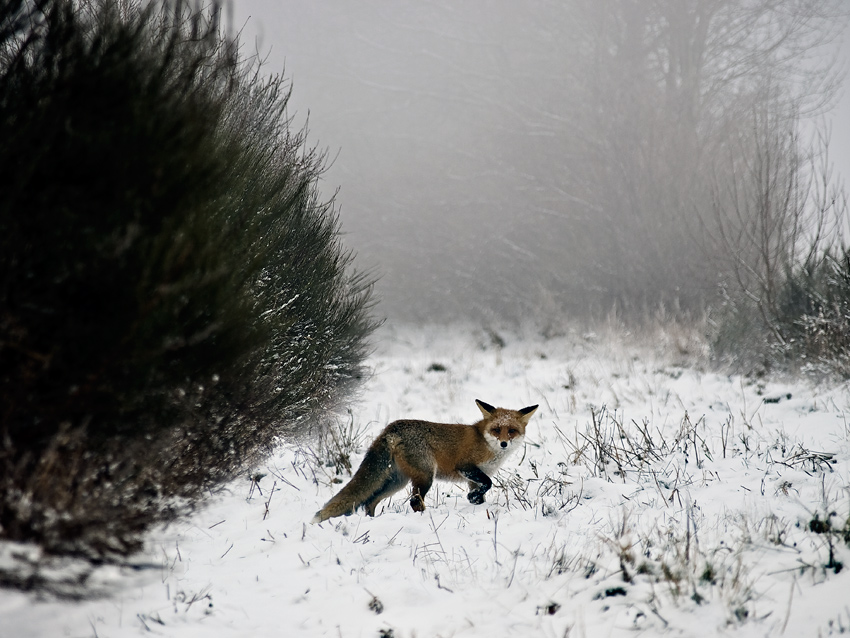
column 504, row 444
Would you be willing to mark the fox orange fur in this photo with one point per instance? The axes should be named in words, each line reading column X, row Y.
column 419, row 451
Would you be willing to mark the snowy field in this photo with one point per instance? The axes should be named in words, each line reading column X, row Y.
column 652, row 498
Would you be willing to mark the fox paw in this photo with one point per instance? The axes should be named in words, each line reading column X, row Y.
column 417, row 503
column 476, row 498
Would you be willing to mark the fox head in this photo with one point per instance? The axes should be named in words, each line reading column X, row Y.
column 502, row 427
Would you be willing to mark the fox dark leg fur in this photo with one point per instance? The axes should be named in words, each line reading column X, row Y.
column 479, row 483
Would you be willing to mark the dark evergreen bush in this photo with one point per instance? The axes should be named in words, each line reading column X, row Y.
column 174, row 297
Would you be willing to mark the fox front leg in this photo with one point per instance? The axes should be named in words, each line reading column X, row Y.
column 479, row 483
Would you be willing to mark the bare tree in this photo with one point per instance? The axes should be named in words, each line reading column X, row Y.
column 664, row 96
column 777, row 209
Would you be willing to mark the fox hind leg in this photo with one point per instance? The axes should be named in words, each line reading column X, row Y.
column 393, row 484
column 422, row 477
column 417, row 498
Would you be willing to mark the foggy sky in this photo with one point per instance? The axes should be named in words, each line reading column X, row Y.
column 437, row 119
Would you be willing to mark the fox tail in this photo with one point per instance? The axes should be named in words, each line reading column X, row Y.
column 377, row 478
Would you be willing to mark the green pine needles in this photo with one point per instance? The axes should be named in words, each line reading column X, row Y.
column 174, row 296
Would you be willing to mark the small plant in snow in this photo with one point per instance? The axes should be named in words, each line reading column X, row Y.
column 338, row 443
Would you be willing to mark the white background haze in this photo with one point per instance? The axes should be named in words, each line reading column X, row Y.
column 443, row 127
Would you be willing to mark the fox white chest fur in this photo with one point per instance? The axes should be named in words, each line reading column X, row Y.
column 500, row 452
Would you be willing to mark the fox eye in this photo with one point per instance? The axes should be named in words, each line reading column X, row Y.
column 513, row 431
column 495, row 431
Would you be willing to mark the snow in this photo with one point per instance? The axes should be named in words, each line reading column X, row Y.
column 653, row 497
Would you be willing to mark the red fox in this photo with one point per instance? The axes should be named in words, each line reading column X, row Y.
column 418, row 451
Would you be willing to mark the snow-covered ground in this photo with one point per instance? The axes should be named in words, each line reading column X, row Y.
column 652, row 498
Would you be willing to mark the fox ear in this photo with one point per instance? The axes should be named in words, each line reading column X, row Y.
column 527, row 412
column 486, row 408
